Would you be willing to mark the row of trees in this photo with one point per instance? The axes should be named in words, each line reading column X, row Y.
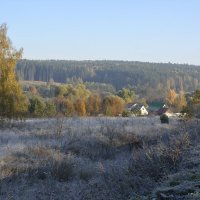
column 75, row 100
column 71, row 100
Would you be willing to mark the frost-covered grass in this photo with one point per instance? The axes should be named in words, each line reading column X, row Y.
column 88, row 158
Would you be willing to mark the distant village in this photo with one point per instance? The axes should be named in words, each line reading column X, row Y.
column 138, row 109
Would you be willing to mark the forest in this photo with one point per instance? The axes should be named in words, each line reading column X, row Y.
column 149, row 80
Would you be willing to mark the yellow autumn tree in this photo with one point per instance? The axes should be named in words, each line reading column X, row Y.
column 69, row 107
column 93, row 105
column 180, row 102
column 80, row 107
column 171, row 97
column 12, row 101
column 113, row 105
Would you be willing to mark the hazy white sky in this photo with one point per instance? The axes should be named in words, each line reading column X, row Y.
column 142, row 30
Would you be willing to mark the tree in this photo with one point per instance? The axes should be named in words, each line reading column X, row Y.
column 180, row 101
column 127, row 94
column 80, row 107
column 69, row 105
column 50, row 109
column 33, row 90
column 171, row 97
column 195, row 104
column 93, row 104
column 196, row 97
column 12, row 101
column 37, row 107
column 113, row 105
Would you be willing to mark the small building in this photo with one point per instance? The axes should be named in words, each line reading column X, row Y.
column 154, row 106
column 165, row 110
column 137, row 109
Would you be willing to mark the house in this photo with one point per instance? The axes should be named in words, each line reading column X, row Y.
column 154, row 106
column 137, row 109
column 165, row 110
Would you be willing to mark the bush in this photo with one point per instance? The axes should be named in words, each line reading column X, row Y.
column 50, row 109
column 36, row 106
column 164, row 119
column 126, row 113
column 63, row 170
column 157, row 161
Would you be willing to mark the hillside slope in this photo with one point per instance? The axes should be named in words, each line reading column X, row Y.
column 145, row 78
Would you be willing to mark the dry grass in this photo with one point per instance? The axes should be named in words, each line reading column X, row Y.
column 99, row 157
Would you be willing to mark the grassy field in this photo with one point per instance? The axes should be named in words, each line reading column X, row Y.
column 99, row 158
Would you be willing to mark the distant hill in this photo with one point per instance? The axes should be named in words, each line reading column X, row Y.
column 148, row 79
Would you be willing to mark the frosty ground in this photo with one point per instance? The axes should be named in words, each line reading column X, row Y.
column 97, row 158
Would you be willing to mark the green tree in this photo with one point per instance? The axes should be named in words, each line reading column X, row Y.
column 195, row 104
column 196, row 97
column 50, row 109
column 37, row 107
column 127, row 94
column 12, row 101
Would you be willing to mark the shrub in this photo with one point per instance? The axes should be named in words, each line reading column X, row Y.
column 63, row 170
column 164, row 119
column 131, row 140
column 36, row 106
column 147, row 163
column 126, row 113
column 50, row 109
column 159, row 160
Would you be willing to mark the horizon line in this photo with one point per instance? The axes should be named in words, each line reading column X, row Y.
column 115, row 60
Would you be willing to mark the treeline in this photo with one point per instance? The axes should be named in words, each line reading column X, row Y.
column 71, row 100
column 149, row 80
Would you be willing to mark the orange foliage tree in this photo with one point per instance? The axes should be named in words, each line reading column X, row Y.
column 80, row 107
column 112, row 105
column 180, row 102
column 93, row 104
column 171, row 97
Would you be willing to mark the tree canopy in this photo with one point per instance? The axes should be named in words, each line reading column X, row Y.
column 12, row 100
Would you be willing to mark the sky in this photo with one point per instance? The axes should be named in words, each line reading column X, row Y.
column 136, row 30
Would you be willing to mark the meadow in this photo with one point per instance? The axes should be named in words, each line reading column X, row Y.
column 98, row 158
